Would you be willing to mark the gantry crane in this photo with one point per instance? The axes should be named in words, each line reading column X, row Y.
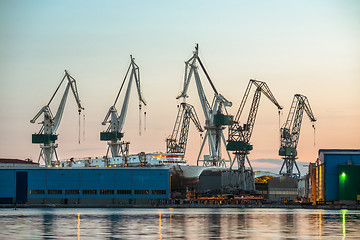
column 290, row 133
column 113, row 133
column 215, row 114
column 239, row 135
column 177, row 143
column 47, row 134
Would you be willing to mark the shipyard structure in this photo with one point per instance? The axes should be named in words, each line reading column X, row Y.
column 223, row 165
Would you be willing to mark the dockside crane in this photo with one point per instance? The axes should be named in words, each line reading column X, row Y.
column 215, row 114
column 47, row 134
column 114, row 134
column 176, row 143
column 290, row 133
column 240, row 135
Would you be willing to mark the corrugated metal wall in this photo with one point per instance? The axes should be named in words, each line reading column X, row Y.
column 91, row 183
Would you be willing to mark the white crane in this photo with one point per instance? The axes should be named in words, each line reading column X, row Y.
column 113, row 133
column 47, row 134
column 215, row 114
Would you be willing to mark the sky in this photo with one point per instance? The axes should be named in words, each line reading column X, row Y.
column 306, row 47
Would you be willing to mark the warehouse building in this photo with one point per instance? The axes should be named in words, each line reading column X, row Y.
column 282, row 189
column 335, row 176
column 40, row 185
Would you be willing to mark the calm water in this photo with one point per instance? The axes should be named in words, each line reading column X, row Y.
column 179, row 224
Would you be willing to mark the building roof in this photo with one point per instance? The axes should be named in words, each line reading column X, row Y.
column 15, row 161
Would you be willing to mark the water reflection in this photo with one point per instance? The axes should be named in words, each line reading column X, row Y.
column 48, row 225
column 343, row 211
column 289, row 227
column 160, row 236
column 214, row 225
column 179, row 223
column 78, row 227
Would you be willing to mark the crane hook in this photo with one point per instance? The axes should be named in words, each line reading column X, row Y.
column 79, row 127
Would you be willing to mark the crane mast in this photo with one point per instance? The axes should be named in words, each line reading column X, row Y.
column 47, row 134
column 290, row 133
column 215, row 114
column 177, row 143
column 240, row 135
column 114, row 133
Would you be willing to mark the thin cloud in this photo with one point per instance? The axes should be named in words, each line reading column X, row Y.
column 268, row 160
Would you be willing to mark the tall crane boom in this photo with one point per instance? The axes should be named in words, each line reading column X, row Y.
column 290, row 133
column 214, row 135
column 239, row 136
column 177, row 143
column 47, row 134
column 113, row 134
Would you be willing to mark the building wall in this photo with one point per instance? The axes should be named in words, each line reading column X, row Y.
column 312, row 183
column 282, row 189
column 86, row 185
column 224, row 180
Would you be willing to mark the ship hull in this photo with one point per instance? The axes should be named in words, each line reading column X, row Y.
column 185, row 176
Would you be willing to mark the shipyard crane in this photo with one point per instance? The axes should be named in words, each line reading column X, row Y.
column 290, row 133
column 239, row 135
column 176, row 143
column 47, row 134
column 215, row 114
column 113, row 133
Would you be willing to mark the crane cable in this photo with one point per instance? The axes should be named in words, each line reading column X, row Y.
column 79, row 127
column 144, row 121
column 84, row 127
column 314, row 133
column 139, row 118
column 279, row 126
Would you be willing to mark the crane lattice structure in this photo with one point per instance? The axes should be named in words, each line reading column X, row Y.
column 215, row 114
column 113, row 133
column 47, row 134
column 176, row 143
column 239, row 135
column 290, row 133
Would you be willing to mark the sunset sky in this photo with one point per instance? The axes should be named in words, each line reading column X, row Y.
column 306, row 47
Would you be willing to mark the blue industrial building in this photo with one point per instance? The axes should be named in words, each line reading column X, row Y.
column 327, row 171
column 40, row 185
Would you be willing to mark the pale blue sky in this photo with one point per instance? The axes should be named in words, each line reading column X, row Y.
column 307, row 47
